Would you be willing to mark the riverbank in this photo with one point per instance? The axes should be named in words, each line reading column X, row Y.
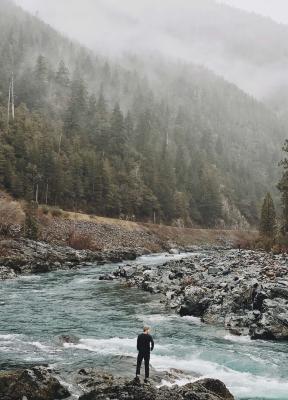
column 78, row 239
column 40, row 383
column 99, row 233
column 246, row 292
column 24, row 256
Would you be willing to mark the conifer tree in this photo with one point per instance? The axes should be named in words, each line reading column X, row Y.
column 283, row 187
column 268, row 217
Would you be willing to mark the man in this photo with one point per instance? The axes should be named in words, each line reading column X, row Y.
column 145, row 344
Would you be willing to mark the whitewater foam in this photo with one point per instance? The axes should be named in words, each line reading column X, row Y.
column 192, row 320
column 112, row 346
column 242, row 384
column 238, row 339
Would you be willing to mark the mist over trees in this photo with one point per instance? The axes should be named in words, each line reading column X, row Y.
column 139, row 138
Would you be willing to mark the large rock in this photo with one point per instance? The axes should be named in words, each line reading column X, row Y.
column 103, row 387
column 247, row 291
column 195, row 302
column 34, row 384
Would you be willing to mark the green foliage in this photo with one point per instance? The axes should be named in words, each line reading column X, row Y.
column 268, row 218
column 93, row 136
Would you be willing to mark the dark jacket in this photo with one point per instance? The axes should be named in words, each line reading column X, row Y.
column 145, row 343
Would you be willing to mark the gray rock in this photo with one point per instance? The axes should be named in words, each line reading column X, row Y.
column 37, row 383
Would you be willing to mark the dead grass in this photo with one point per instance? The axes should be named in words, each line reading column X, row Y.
column 179, row 236
column 129, row 225
column 189, row 236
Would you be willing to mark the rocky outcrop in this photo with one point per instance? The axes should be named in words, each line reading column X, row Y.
column 104, row 386
column 245, row 291
column 39, row 383
column 32, row 384
column 27, row 256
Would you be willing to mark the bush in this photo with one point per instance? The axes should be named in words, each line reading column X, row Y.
column 11, row 217
column 265, row 243
column 80, row 241
column 57, row 212
column 45, row 210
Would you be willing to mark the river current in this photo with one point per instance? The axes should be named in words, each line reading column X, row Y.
column 106, row 316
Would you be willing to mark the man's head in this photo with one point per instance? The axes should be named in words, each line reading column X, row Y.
column 146, row 329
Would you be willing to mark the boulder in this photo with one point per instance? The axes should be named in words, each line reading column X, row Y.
column 195, row 302
column 35, row 384
column 108, row 387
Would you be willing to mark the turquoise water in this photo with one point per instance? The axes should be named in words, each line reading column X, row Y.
column 37, row 309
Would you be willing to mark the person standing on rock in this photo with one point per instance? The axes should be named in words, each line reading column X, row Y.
column 145, row 344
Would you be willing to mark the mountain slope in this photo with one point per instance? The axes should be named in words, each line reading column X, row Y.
column 138, row 138
column 245, row 48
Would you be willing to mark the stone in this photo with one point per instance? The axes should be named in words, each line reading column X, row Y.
column 37, row 383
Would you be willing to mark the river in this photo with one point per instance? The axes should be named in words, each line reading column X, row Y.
column 106, row 316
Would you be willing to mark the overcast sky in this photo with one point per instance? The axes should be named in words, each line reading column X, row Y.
column 51, row 10
column 276, row 9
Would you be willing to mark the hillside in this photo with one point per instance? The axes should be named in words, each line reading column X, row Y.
column 245, row 48
column 143, row 139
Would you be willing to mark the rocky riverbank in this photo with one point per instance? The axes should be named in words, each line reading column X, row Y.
column 25, row 256
column 247, row 291
column 40, row 383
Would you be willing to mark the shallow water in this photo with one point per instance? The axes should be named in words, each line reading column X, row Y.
column 37, row 309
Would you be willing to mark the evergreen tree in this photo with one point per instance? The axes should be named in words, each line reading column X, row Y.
column 283, row 187
column 268, row 217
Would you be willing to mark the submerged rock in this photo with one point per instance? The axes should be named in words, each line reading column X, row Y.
column 37, row 383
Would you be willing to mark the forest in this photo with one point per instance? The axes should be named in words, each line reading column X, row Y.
column 141, row 139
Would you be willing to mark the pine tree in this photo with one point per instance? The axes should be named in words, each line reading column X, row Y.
column 268, row 217
column 76, row 115
column 62, row 75
column 283, row 187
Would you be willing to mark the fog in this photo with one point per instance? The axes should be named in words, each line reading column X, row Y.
column 275, row 9
column 242, row 48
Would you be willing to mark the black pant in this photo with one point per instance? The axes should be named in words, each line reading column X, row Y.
column 140, row 357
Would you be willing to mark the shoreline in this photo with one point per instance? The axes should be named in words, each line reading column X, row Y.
column 44, row 384
column 25, row 256
column 217, row 287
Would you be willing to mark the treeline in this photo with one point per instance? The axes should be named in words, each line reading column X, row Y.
column 273, row 227
column 151, row 140
column 99, row 160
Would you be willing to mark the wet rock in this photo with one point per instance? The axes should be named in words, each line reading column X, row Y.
column 37, row 383
column 68, row 339
column 237, row 290
column 174, row 251
column 7, row 273
column 107, row 277
column 195, row 302
column 25, row 256
column 105, row 386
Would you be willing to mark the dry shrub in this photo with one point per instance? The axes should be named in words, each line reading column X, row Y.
column 44, row 210
column 57, row 212
column 80, row 241
column 12, row 217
